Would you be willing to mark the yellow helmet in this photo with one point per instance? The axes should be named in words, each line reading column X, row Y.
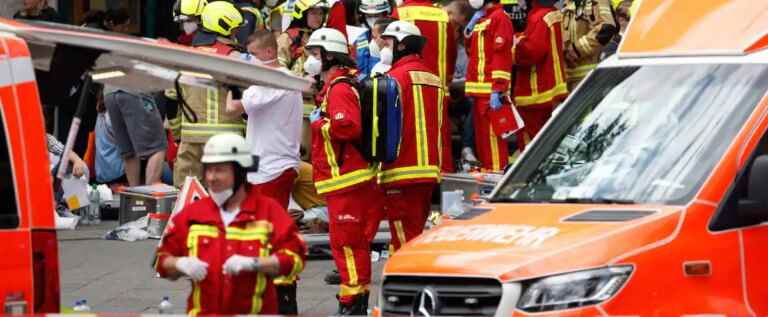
column 301, row 6
column 185, row 9
column 221, row 17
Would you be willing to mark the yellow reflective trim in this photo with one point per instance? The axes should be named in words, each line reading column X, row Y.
column 500, row 74
column 584, row 44
column 442, row 51
column 400, row 232
column 481, row 26
column 478, row 87
column 422, row 151
column 345, row 290
column 413, row 172
column 261, row 284
column 543, row 97
column 425, row 78
column 252, row 234
column 440, row 105
column 195, row 232
column 421, row 13
column 555, row 56
column 298, row 265
column 349, row 257
column 375, row 113
column 481, row 54
column 534, row 81
column 329, row 153
column 343, row 181
column 496, row 165
column 581, row 71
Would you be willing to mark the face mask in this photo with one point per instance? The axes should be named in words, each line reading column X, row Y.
column 221, row 197
column 189, row 27
column 313, row 66
column 374, row 49
column 271, row 3
column 398, row 2
column 386, row 56
column 476, row 4
column 256, row 61
column 370, row 21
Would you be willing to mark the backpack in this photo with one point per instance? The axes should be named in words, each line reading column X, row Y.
column 381, row 114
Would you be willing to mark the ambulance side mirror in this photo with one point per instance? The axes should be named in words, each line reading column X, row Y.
column 755, row 206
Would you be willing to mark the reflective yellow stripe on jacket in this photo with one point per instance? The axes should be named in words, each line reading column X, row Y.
column 195, row 232
column 561, row 87
column 431, row 14
column 480, row 86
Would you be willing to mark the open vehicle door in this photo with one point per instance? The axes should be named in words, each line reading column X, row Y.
column 42, row 62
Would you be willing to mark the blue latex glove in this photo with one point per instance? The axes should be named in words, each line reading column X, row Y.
column 315, row 115
column 479, row 14
column 496, row 100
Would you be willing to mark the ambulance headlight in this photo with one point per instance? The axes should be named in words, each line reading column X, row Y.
column 571, row 290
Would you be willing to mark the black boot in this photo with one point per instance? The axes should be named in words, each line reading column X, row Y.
column 286, row 300
column 333, row 278
column 359, row 307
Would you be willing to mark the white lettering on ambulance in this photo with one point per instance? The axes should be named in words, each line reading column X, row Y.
column 522, row 235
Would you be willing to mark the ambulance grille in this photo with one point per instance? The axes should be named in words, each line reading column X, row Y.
column 402, row 295
column 609, row 215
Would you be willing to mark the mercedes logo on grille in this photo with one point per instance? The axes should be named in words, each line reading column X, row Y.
column 426, row 303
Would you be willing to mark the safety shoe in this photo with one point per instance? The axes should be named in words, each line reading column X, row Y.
column 358, row 307
column 333, row 278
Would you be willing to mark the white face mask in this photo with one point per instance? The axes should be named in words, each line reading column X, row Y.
column 271, row 3
column 221, row 197
column 370, row 21
column 398, row 2
column 476, row 4
column 313, row 66
column 374, row 49
column 386, row 56
column 189, row 27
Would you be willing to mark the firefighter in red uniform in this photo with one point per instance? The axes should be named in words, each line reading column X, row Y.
column 540, row 82
column 341, row 174
column 489, row 52
column 232, row 243
column 439, row 55
column 409, row 180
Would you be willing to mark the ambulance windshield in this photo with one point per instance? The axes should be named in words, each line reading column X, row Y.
column 648, row 134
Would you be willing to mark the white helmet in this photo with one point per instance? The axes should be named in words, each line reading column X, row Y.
column 332, row 40
column 400, row 30
column 227, row 147
column 374, row 6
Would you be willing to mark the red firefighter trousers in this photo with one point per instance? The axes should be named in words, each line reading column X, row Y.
column 535, row 117
column 351, row 215
column 279, row 188
column 407, row 207
column 491, row 150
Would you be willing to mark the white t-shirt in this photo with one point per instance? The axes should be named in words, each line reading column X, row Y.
column 273, row 130
column 228, row 216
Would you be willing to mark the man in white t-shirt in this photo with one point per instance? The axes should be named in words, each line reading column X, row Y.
column 274, row 133
column 274, row 124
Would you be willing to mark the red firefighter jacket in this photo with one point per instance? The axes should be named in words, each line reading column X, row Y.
column 338, row 165
column 540, row 78
column 422, row 97
column 489, row 53
column 439, row 51
column 262, row 228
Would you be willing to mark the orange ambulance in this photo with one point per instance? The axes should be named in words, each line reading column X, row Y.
column 645, row 195
column 29, row 269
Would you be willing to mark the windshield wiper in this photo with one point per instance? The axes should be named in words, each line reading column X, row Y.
column 594, row 200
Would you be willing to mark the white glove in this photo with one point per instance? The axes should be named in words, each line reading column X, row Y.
column 192, row 267
column 238, row 263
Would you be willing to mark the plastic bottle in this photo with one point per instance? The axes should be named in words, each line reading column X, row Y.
column 94, row 208
column 77, row 306
column 165, row 306
column 84, row 305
